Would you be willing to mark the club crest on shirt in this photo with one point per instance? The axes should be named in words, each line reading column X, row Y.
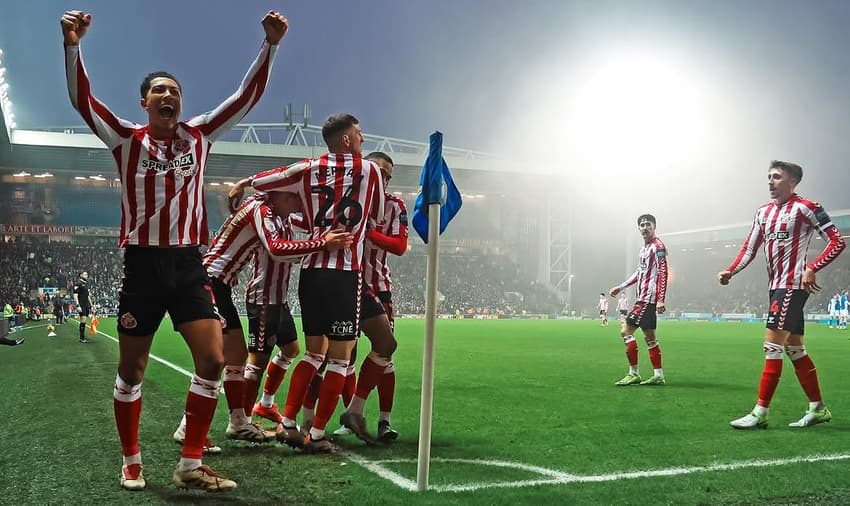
column 128, row 321
column 182, row 145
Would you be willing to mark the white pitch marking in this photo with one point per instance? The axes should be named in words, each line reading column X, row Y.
column 560, row 478
column 160, row 360
column 555, row 477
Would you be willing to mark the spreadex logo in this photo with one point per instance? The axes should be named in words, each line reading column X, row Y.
column 782, row 235
column 183, row 165
column 342, row 327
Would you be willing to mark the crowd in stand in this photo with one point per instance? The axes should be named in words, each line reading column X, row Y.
column 470, row 283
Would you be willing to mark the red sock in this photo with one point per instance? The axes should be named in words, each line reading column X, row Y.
column 808, row 376
column 313, row 392
column 127, row 403
column 200, row 408
column 370, row 375
column 332, row 387
column 234, row 386
column 298, row 385
column 386, row 389
column 274, row 378
column 769, row 380
column 655, row 356
column 350, row 385
column 631, row 352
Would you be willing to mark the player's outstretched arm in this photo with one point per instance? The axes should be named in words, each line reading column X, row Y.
column 75, row 24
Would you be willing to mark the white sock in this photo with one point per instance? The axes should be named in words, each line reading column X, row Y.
column 384, row 416
column 659, row 373
column 267, row 401
column 317, row 433
column 760, row 410
column 133, row 459
column 633, row 369
column 816, row 405
column 188, row 464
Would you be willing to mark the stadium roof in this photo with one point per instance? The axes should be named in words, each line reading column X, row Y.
column 248, row 149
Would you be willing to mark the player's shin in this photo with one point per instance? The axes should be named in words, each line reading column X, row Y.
column 303, row 374
column 329, row 394
column 127, row 403
column 200, row 408
column 770, row 375
column 386, row 392
column 807, row 374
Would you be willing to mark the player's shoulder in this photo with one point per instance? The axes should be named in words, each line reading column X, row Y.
column 659, row 244
column 805, row 203
column 394, row 199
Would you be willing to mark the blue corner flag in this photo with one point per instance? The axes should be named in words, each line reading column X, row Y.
column 435, row 174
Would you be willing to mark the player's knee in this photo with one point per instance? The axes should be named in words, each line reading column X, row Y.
column 291, row 350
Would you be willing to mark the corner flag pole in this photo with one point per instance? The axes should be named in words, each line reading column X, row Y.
column 426, row 409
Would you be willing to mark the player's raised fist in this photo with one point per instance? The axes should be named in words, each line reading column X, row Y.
column 275, row 24
column 74, row 26
column 724, row 277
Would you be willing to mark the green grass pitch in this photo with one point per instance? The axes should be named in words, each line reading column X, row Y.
column 525, row 412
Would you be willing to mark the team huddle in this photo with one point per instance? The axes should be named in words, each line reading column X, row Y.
column 340, row 203
column 338, row 200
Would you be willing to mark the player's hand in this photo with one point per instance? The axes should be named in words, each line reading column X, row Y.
column 74, row 26
column 276, row 25
column 724, row 277
column 660, row 308
column 614, row 291
column 234, row 196
column 810, row 283
column 338, row 239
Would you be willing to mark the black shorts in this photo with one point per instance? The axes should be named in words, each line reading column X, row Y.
column 223, row 298
column 387, row 301
column 786, row 310
column 642, row 316
column 624, row 312
column 269, row 324
column 83, row 310
column 157, row 280
column 330, row 303
column 602, row 313
column 370, row 305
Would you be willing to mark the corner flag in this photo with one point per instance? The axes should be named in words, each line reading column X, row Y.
column 435, row 174
column 431, row 215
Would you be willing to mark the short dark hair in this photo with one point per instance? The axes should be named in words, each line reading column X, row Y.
column 792, row 169
column 380, row 155
column 646, row 217
column 336, row 125
column 146, row 82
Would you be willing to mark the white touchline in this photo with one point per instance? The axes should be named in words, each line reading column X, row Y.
column 552, row 476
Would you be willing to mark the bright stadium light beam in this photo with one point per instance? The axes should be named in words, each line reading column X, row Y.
column 637, row 107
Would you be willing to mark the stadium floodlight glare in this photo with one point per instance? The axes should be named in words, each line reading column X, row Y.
column 229, row 183
column 80, row 178
column 22, row 173
column 46, row 174
column 215, row 184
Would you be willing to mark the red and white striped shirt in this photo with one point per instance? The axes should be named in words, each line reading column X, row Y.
column 339, row 191
column 786, row 231
column 269, row 282
column 651, row 274
column 254, row 230
column 387, row 237
column 162, row 180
